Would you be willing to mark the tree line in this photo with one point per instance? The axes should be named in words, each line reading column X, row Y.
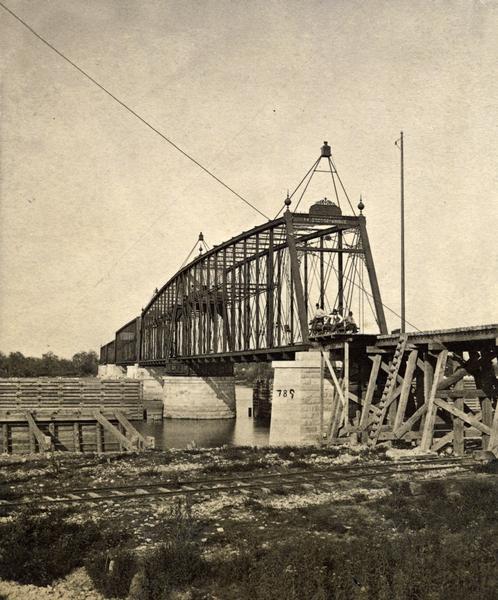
column 82, row 364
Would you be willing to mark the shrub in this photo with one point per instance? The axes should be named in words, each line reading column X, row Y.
column 171, row 566
column 112, row 571
column 419, row 566
column 38, row 549
column 175, row 563
column 467, row 504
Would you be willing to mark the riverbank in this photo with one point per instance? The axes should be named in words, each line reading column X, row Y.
column 429, row 535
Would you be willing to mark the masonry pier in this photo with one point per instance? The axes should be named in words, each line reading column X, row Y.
column 179, row 391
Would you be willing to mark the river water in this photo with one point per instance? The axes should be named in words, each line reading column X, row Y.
column 207, row 433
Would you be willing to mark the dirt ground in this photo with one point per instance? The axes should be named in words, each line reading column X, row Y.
column 229, row 524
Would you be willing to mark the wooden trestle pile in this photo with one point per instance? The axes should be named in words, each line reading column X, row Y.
column 429, row 394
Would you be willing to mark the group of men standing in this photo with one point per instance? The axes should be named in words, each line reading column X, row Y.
column 334, row 321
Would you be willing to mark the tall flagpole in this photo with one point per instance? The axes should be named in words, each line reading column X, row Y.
column 402, row 236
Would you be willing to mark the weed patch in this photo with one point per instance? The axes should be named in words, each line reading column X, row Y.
column 467, row 505
column 38, row 549
column 175, row 563
column 112, row 570
column 422, row 566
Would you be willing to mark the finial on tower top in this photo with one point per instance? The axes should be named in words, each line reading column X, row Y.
column 201, row 237
column 287, row 201
column 326, row 152
column 361, row 206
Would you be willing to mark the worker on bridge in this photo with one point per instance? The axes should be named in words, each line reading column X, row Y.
column 319, row 319
column 336, row 321
column 350, row 325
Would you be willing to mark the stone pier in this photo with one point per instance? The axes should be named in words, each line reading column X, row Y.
column 296, row 402
column 195, row 397
column 205, row 391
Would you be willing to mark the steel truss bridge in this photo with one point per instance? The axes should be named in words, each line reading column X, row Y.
column 251, row 298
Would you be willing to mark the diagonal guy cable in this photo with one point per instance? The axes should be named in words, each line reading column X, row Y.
column 130, row 110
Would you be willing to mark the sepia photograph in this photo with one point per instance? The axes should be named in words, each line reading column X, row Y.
column 248, row 299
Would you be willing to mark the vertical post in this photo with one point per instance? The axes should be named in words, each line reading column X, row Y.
column 367, row 402
column 322, row 373
column 202, row 314
column 138, row 340
column 430, row 418
column 296, row 276
column 291, row 307
column 340, row 274
column 226, row 324
column 32, row 441
column 279, row 297
column 269, row 292
column 256, row 292
column 247, row 300
column 99, row 436
column 411, row 365
column 306, row 299
column 234, row 304
column 209, row 316
column 426, row 385
column 493, row 439
column 458, row 429
column 346, row 383
column 76, row 436
column 5, row 438
column 487, row 419
column 322, row 282
column 215, row 303
column 403, row 324
column 240, row 288
column 52, row 433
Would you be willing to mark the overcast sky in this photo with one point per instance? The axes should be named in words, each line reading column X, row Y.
column 96, row 210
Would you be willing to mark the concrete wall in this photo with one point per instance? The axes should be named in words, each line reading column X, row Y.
column 152, row 380
column 296, row 404
column 183, row 396
column 195, row 397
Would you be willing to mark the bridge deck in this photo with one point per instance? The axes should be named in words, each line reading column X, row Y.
column 455, row 338
column 458, row 338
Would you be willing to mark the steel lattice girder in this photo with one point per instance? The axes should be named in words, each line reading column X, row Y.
column 249, row 293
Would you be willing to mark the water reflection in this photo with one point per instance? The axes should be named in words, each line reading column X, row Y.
column 207, row 433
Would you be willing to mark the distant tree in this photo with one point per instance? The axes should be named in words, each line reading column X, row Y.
column 17, row 365
column 83, row 364
column 4, row 365
column 86, row 363
column 249, row 373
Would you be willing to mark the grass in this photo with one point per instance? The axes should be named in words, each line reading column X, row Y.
column 465, row 507
column 41, row 548
column 175, row 563
column 424, row 539
column 419, row 566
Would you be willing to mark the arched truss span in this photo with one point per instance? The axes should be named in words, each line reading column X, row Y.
column 257, row 292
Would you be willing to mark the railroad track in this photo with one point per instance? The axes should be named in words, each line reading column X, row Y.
column 327, row 478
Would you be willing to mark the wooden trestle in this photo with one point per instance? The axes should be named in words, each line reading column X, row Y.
column 73, row 414
column 436, row 390
column 73, row 431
